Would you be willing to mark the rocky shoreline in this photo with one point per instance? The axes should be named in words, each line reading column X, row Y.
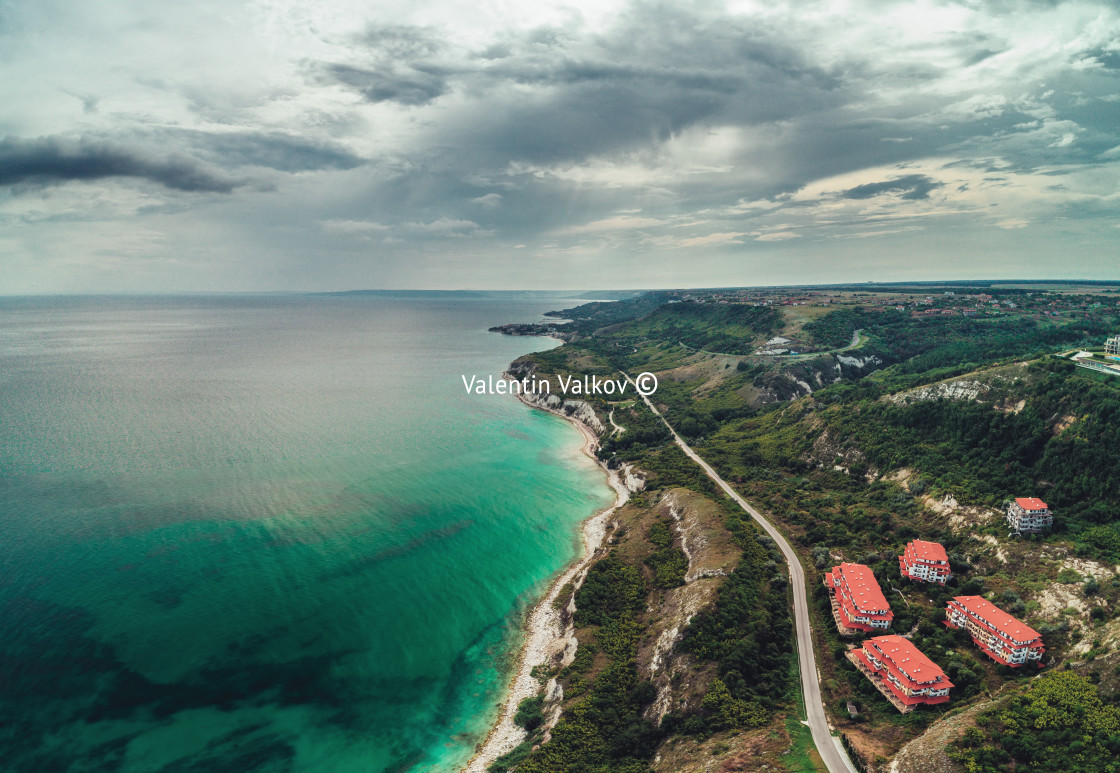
column 549, row 633
column 557, row 330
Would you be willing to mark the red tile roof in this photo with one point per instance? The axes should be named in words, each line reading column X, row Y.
column 901, row 697
column 907, row 661
column 1003, row 622
column 862, row 587
column 851, row 611
column 928, row 551
column 1031, row 503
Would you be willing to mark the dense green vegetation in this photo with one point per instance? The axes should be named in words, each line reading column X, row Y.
column 647, row 441
column 589, row 317
column 984, row 455
column 668, row 562
column 529, row 714
column 644, row 431
column 604, row 730
column 749, row 634
column 1058, row 723
column 1063, row 445
column 575, row 674
column 726, row 328
column 835, row 329
column 723, row 711
column 611, row 590
column 946, row 346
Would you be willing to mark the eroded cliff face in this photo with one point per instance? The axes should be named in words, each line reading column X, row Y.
column 580, row 410
column 994, row 386
column 960, row 389
column 680, row 684
column 864, row 364
column 796, row 379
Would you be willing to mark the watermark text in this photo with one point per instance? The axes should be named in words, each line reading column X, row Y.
column 644, row 384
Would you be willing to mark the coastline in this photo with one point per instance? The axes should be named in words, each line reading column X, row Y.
column 546, row 636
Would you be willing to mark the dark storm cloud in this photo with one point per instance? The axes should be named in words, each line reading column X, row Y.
column 1109, row 60
column 650, row 76
column 912, row 187
column 190, row 160
column 402, row 67
column 586, row 119
column 51, row 159
column 402, row 41
column 979, row 56
column 282, row 152
column 403, row 85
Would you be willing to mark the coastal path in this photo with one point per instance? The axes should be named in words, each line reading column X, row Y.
column 617, row 429
column 828, row 745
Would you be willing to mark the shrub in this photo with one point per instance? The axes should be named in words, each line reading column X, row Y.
column 669, row 563
column 529, row 713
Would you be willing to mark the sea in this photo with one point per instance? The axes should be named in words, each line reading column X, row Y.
column 270, row 533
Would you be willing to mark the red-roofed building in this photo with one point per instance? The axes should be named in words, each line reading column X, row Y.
column 1005, row 639
column 858, row 603
column 1029, row 514
column 925, row 561
column 901, row 672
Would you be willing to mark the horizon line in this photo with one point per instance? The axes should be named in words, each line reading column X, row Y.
column 572, row 293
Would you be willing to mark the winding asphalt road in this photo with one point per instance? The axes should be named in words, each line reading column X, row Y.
column 833, row 754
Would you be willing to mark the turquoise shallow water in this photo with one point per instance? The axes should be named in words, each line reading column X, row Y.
column 268, row 534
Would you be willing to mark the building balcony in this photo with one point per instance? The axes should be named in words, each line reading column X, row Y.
column 905, row 703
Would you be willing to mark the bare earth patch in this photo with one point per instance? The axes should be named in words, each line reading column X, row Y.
column 926, row 753
column 754, row 750
column 999, row 552
column 1064, row 423
column 959, row 518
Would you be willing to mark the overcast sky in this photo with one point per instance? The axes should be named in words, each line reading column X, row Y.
column 281, row 145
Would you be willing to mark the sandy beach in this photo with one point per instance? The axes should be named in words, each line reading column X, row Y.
column 545, row 634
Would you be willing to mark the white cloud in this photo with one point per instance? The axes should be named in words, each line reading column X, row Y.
column 617, row 223
column 353, row 226
column 879, row 232
column 443, row 227
column 711, row 239
column 489, row 201
column 703, row 240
